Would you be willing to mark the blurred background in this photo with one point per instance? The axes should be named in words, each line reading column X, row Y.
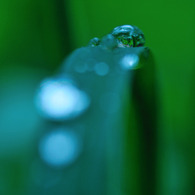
column 35, row 38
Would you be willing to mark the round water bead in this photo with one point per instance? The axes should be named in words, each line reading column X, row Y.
column 59, row 99
column 94, row 42
column 128, row 36
column 109, row 41
column 101, row 69
column 60, row 147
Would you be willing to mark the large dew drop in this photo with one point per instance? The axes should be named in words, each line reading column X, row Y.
column 59, row 148
column 128, row 36
column 59, row 99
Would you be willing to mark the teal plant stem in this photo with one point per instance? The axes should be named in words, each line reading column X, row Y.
column 120, row 136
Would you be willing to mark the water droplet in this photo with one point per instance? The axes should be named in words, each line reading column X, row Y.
column 94, row 42
column 130, row 61
column 101, row 69
column 109, row 42
column 60, row 148
column 60, row 99
column 128, row 36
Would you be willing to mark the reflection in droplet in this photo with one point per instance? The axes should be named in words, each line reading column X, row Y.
column 128, row 36
column 101, row 69
column 60, row 148
column 130, row 61
column 60, row 99
column 94, row 42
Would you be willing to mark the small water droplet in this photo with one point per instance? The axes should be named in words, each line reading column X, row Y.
column 101, row 69
column 60, row 99
column 130, row 61
column 94, row 42
column 128, row 36
column 109, row 41
column 60, row 148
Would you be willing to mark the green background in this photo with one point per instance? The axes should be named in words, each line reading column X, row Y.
column 35, row 37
